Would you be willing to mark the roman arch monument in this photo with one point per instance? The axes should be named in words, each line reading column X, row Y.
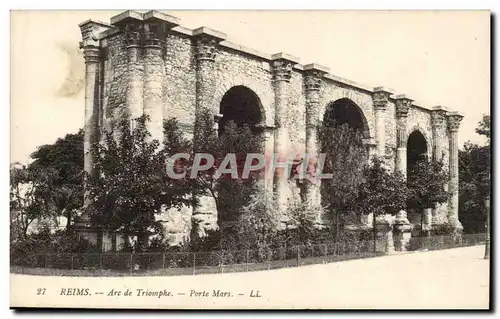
column 147, row 63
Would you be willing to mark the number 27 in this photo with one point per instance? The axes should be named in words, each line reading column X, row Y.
column 40, row 291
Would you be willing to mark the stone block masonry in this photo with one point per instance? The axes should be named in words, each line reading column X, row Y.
column 147, row 63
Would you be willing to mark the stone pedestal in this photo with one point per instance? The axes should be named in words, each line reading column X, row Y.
column 402, row 231
column 384, row 242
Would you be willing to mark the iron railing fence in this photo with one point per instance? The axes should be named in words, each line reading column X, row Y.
column 192, row 263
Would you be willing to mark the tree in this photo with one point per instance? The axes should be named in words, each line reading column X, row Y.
column 230, row 194
column 426, row 184
column 30, row 197
column 484, row 127
column 132, row 185
column 345, row 152
column 65, row 159
column 382, row 192
column 474, row 181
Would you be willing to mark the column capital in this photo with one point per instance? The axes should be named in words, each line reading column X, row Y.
column 91, row 54
column 156, row 26
column 381, row 97
column 438, row 117
column 454, row 119
column 206, row 41
column 403, row 104
column 282, row 65
column 313, row 76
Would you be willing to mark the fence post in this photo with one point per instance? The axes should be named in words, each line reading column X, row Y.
column 131, row 262
column 326, row 253
column 222, row 262
column 298, row 256
column 45, row 260
column 246, row 259
column 163, row 261
column 72, row 261
column 194, row 264
column 100, row 260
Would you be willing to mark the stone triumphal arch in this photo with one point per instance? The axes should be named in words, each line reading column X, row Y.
column 147, row 63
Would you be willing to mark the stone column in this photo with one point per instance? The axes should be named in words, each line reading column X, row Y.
column 282, row 71
column 206, row 42
column 92, row 55
column 380, row 101
column 153, row 80
column 135, row 69
column 402, row 106
column 454, row 119
column 439, row 137
column 402, row 225
column 313, row 75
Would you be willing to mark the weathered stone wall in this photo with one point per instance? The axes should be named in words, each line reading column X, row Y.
column 114, row 83
column 233, row 69
column 179, row 84
column 420, row 120
column 296, row 113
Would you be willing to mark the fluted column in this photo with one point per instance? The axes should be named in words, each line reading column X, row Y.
column 380, row 101
column 206, row 42
column 282, row 71
column 91, row 55
column 439, row 138
column 402, row 106
column 153, row 80
column 453, row 120
column 135, row 71
column 313, row 78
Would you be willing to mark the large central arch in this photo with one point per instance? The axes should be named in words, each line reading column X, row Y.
column 242, row 106
column 343, row 132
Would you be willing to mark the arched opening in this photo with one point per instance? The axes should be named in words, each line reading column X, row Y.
column 345, row 111
column 416, row 149
column 342, row 139
column 243, row 107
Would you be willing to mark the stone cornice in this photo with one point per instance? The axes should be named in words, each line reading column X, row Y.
column 129, row 15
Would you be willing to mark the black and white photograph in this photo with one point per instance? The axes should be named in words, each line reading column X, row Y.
column 250, row 159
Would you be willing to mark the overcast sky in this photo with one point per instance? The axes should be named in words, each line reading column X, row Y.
column 436, row 58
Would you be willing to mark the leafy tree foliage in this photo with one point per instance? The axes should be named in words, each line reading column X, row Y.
column 426, row 184
column 31, row 198
column 474, row 180
column 65, row 159
column 345, row 152
column 382, row 192
column 132, row 184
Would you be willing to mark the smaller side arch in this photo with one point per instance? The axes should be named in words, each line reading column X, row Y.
column 265, row 95
column 424, row 133
column 332, row 94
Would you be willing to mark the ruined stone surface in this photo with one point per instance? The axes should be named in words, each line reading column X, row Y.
column 190, row 71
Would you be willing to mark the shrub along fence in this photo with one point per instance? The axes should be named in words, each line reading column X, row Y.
column 193, row 263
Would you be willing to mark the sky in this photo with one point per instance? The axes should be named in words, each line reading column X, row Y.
column 434, row 57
